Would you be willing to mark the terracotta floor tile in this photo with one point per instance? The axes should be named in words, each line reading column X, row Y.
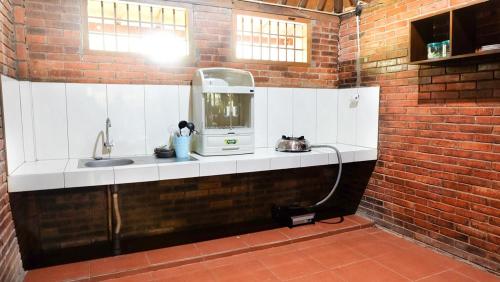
column 296, row 268
column 264, row 237
column 66, row 272
column 275, row 250
column 410, row 264
column 272, row 260
column 253, row 276
column 369, row 271
column 334, row 255
column 302, row 231
column 351, row 237
column 440, row 259
column 232, row 272
column 173, row 254
column 177, row 271
column 141, row 277
column 324, row 276
column 116, row 264
column 448, row 275
column 195, row 276
column 394, row 240
column 372, row 230
column 311, row 243
column 367, row 254
column 371, row 247
column 475, row 273
column 221, row 245
column 236, row 259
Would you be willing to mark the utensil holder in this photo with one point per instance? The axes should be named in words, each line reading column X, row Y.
column 182, row 145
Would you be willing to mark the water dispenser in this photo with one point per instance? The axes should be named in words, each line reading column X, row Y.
column 223, row 107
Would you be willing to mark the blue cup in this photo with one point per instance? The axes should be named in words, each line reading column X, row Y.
column 181, row 144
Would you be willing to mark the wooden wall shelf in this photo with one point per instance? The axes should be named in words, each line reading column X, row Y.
column 467, row 27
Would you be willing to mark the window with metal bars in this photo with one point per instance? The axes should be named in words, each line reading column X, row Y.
column 122, row 26
column 272, row 38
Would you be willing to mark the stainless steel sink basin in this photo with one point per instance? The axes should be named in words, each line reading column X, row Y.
column 108, row 162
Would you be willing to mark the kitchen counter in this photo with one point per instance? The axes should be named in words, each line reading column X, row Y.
column 56, row 174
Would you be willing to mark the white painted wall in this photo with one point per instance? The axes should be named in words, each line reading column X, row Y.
column 56, row 120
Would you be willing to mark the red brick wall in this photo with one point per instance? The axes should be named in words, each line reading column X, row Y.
column 438, row 175
column 10, row 261
column 50, row 49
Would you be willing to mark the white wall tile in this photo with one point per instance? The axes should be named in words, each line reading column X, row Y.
column 304, row 113
column 126, row 111
column 252, row 165
column 28, row 127
column 217, row 168
column 184, row 102
column 280, row 114
column 89, row 177
column 365, row 155
column 162, row 112
column 367, row 117
column 260, row 118
column 347, row 116
column 50, row 120
column 13, row 123
column 87, row 113
column 41, row 175
column 178, row 170
column 326, row 114
column 136, row 173
column 314, row 158
column 291, row 161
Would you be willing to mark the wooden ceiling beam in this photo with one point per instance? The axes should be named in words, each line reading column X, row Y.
column 321, row 5
column 338, row 6
column 302, row 3
column 281, row 2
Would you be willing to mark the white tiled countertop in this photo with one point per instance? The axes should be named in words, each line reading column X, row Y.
column 55, row 174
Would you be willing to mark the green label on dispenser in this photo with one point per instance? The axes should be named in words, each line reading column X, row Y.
column 230, row 141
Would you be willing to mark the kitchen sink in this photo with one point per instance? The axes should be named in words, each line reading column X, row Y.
column 106, row 162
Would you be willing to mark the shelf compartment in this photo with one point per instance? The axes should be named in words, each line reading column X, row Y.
column 431, row 29
column 475, row 26
column 468, row 27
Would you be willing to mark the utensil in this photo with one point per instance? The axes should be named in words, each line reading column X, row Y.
column 190, row 126
column 182, row 124
column 185, row 131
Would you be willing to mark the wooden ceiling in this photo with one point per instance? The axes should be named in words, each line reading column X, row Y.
column 328, row 6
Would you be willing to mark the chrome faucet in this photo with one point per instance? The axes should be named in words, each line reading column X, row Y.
column 108, row 144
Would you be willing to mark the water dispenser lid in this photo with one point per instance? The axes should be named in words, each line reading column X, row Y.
column 226, row 77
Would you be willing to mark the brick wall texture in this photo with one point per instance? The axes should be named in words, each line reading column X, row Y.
column 49, row 44
column 10, row 260
column 438, row 175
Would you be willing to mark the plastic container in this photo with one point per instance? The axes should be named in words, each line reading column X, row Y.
column 434, row 50
column 182, row 146
column 446, row 48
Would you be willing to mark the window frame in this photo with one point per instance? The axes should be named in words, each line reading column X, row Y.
column 234, row 40
column 186, row 60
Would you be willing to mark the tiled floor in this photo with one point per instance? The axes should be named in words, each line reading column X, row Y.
column 349, row 251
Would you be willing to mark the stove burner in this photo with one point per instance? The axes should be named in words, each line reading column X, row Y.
column 292, row 144
column 301, row 138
